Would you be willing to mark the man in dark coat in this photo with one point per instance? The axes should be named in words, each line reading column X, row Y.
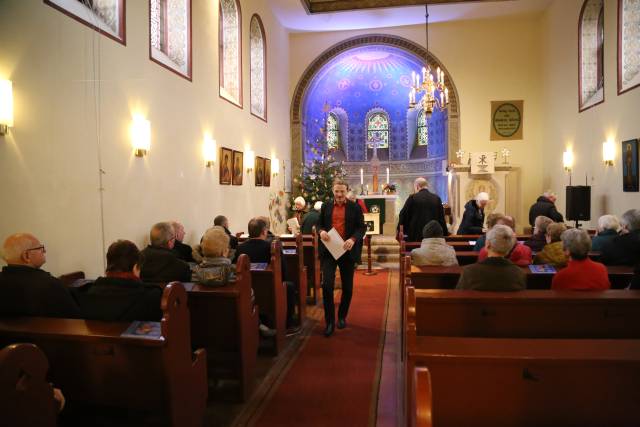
column 121, row 295
column 347, row 218
column 223, row 222
column 625, row 248
column 420, row 208
column 311, row 219
column 26, row 289
column 473, row 217
column 182, row 251
column 545, row 206
column 159, row 264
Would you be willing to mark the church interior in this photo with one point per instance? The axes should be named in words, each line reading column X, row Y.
column 220, row 115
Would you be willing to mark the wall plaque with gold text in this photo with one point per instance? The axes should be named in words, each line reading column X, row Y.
column 506, row 120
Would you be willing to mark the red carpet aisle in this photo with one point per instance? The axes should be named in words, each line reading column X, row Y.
column 334, row 381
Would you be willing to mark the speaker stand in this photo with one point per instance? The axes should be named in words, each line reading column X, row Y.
column 578, row 225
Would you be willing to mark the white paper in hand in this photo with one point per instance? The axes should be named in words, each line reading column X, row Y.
column 293, row 224
column 335, row 244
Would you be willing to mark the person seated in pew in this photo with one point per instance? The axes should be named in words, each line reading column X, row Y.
column 434, row 249
column 553, row 252
column 120, row 295
column 539, row 239
column 181, row 250
column 267, row 221
column 473, row 216
column 496, row 272
column 222, row 221
column 581, row 274
column 258, row 248
column 492, row 220
column 519, row 254
column 215, row 269
column 608, row 227
column 159, row 263
column 299, row 206
column 311, row 219
column 26, row 289
column 625, row 248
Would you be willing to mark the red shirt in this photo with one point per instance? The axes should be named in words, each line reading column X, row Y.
column 338, row 218
column 581, row 275
column 520, row 255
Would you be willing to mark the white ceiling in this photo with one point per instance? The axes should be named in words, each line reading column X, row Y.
column 293, row 16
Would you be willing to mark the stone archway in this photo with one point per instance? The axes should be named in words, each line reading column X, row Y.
column 363, row 40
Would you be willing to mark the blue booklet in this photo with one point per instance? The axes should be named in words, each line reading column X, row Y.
column 542, row 269
column 258, row 266
column 289, row 251
column 145, row 330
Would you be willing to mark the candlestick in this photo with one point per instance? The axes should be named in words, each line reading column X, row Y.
column 387, row 175
column 361, row 176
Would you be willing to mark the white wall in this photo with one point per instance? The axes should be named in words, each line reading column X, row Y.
column 488, row 60
column 616, row 119
column 75, row 92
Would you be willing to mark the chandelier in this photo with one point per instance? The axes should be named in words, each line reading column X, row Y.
column 436, row 95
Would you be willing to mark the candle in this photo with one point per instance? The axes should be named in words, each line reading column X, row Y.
column 387, row 175
column 361, row 176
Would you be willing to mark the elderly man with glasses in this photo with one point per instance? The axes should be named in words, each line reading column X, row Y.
column 159, row 263
column 26, row 289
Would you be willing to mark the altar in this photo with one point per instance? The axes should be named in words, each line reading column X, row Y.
column 385, row 206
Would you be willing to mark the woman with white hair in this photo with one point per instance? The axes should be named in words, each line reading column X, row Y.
column 299, row 205
column 608, row 227
column 473, row 217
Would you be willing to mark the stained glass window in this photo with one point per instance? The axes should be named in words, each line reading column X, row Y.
column 105, row 16
column 591, row 53
column 170, row 34
column 230, row 51
column 333, row 132
column 629, row 39
column 423, row 130
column 258, row 68
column 378, row 130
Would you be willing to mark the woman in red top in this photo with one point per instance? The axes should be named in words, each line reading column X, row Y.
column 581, row 274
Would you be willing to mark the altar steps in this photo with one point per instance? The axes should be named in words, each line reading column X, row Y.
column 384, row 249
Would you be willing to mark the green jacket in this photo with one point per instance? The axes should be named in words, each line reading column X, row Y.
column 553, row 254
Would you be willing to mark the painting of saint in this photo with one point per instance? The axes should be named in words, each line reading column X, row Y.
column 238, row 159
column 267, row 173
column 630, row 165
column 259, row 171
column 225, row 166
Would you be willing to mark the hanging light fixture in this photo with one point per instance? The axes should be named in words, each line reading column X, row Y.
column 436, row 95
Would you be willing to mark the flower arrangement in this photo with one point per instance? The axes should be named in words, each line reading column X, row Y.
column 389, row 189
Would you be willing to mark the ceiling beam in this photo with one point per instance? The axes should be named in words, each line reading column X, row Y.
column 326, row 6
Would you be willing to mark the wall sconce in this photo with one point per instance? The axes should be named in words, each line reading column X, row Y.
column 6, row 106
column 275, row 166
column 608, row 152
column 250, row 159
column 209, row 150
column 567, row 160
column 140, row 135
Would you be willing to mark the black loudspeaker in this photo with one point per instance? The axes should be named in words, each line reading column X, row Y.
column 579, row 203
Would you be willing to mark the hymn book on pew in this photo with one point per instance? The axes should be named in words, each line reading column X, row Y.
column 258, row 266
column 145, row 330
column 289, row 251
column 542, row 269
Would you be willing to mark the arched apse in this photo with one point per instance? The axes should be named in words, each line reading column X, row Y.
column 365, row 73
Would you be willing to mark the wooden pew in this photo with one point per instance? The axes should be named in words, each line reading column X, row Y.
column 271, row 295
column 421, row 398
column 224, row 321
column 27, row 398
column 92, row 363
column 520, row 381
column 447, row 277
column 297, row 273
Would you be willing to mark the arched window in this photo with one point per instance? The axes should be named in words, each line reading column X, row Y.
column 170, row 35
column 629, row 46
column 423, row 130
column 378, row 130
column 258, row 48
column 591, row 54
column 333, row 132
column 230, row 40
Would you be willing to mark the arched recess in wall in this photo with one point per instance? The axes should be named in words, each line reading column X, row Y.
column 297, row 128
column 340, row 130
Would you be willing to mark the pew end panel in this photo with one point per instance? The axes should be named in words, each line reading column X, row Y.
column 421, row 399
column 27, row 398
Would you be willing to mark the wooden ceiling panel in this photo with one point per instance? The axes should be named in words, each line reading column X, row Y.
column 325, row 6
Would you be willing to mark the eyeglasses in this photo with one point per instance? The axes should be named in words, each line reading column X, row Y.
column 38, row 248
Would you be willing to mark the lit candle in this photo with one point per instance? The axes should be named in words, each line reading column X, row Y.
column 361, row 176
column 387, row 175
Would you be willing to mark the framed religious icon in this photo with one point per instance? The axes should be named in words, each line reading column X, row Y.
column 259, row 171
column 238, row 160
column 630, row 166
column 267, row 173
column 226, row 157
column 506, row 120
